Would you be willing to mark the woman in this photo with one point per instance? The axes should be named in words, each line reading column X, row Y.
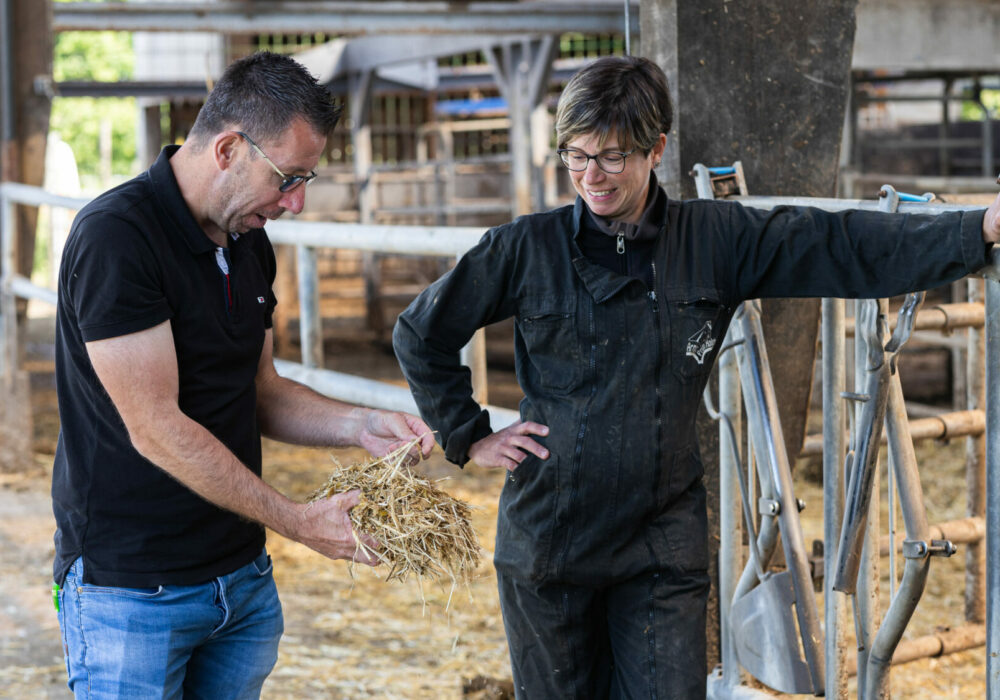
column 620, row 302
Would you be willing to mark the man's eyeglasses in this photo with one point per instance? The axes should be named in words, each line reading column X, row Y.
column 288, row 182
column 612, row 162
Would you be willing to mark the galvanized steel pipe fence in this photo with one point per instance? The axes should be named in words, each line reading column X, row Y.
column 307, row 237
column 983, row 583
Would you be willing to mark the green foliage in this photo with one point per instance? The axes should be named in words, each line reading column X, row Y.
column 78, row 121
column 973, row 112
column 97, row 56
column 105, row 56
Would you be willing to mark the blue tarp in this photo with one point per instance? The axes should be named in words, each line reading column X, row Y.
column 486, row 106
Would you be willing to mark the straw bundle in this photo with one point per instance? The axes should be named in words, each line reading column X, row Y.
column 422, row 529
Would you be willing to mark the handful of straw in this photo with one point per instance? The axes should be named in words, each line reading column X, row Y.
column 422, row 529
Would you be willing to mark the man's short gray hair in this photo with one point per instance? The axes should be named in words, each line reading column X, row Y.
column 623, row 95
column 262, row 94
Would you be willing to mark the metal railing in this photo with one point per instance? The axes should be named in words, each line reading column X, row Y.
column 872, row 660
column 307, row 237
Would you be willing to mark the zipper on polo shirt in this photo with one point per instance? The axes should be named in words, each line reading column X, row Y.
column 223, row 261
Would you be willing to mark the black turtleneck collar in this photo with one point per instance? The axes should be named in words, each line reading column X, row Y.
column 650, row 223
column 596, row 237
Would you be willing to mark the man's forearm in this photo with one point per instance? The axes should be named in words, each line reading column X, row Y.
column 294, row 413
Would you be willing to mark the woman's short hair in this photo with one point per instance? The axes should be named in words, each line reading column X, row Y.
column 262, row 94
column 622, row 95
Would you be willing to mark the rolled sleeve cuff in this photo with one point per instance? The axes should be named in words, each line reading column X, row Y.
column 975, row 251
column 457, row 448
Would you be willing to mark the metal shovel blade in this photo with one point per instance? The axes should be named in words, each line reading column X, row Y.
column 766, row 637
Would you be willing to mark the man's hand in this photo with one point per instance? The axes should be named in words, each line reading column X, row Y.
column 385, row 431
column 326, row 527
column 991, row 222
column 507, row 448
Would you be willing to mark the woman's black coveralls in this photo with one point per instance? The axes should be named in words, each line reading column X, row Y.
column 601, row 550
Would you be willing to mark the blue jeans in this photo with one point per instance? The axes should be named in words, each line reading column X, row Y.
column 215, row 640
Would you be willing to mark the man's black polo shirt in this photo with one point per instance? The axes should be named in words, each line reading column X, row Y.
column 136, row 257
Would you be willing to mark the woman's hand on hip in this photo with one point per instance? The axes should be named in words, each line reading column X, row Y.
column 507, row 448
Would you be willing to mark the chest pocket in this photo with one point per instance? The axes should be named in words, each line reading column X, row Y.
column 697, row 328
column 553, row 348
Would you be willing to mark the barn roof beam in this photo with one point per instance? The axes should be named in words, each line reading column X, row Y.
column 349, row 18
column 450, row 80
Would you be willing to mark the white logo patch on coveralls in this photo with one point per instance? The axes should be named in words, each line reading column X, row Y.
column 701, row 343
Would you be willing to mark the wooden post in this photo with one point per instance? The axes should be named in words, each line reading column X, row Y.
column 15, row 399
column 32, row 43
column 27, row 67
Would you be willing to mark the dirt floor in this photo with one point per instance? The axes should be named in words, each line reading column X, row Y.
column 355, row 636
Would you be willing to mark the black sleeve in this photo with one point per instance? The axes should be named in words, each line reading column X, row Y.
column 111, row 279
column 806, row 252
column 430, row 333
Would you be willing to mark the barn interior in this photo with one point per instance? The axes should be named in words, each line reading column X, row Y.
column 448, row 128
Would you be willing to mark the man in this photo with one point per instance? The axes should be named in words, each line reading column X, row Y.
column 620, row 303
column 166, row 381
